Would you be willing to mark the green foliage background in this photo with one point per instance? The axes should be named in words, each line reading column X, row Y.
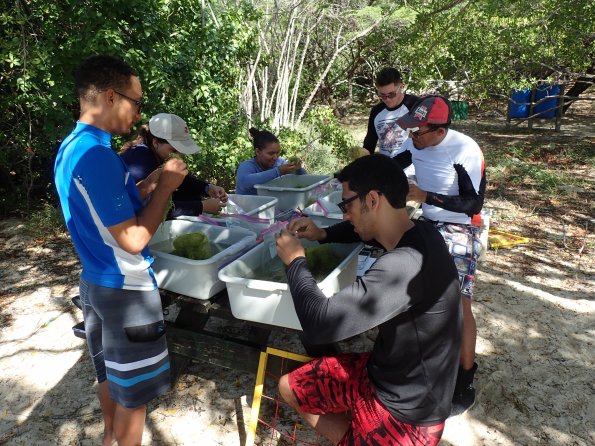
column 189, row 64
column 193, row 58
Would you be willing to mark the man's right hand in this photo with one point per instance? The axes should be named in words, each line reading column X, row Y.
column 212, row 206
column 416, row 194
column 172, row 174
column 306, row 228
column 148, row 185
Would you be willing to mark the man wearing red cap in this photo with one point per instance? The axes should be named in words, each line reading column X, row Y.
column 451, row 183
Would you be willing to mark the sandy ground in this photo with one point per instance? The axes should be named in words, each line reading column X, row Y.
column 535, row 311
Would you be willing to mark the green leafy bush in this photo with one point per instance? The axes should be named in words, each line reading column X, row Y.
column 47, row 220
column 322, row 144
column 190, row 61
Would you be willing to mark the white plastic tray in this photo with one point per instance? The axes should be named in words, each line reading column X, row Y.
column 271, row 302
column 334, row 214
column 292, row 191
column 260, row 206
column 196, row 278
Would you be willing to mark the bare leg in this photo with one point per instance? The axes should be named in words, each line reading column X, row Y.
column 469, row 336
column 108, row 408
column 129, row 425
column 331, row 426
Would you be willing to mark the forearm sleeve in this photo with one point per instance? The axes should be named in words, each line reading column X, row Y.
column 469, row 201
column 192, row 188
column 185, row 207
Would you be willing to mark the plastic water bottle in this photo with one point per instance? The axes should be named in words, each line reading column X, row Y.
column 484, row 229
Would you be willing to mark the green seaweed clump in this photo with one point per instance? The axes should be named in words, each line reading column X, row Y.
column 194, row 246
column 321, row 260
column 295, row 160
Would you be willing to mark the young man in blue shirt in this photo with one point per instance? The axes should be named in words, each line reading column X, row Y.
column 110, row 230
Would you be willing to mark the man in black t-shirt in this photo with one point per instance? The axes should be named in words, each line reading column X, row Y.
column 400, row 393
column 382, row 127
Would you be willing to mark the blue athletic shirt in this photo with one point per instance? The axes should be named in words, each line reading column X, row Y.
column 97, row 191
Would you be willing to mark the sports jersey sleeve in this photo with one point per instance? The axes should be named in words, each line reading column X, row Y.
column 410, row 100
column 371, row 138
column 359, row 307
column 403, row 159
column 94, row 176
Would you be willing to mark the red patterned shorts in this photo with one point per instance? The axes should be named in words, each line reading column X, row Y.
column 338, row 384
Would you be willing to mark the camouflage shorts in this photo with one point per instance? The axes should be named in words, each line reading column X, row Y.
column 465, row 247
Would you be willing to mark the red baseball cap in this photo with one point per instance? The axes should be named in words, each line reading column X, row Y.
column 428, row 110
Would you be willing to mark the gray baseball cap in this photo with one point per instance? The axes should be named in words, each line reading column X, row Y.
column 174, row 130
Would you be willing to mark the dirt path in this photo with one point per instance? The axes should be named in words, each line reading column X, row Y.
column 535, row 310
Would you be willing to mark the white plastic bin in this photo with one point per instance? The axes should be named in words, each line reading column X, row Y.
column 260, row 206
column 271, row 302
column 195, row 278
column 334, row 214
column 292, row 191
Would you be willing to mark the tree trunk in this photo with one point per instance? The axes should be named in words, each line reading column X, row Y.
column 580, row 85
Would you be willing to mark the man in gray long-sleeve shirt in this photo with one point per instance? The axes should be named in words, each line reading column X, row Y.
column 401, row 392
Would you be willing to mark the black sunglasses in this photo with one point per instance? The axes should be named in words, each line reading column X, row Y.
column 390, row 95
column 139, row 104
column 417, row 133
column 343, row 204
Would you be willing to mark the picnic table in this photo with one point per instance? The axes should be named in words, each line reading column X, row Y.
column 190, row 334
column 190, row 338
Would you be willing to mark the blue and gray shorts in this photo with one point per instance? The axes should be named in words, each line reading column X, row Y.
column 465, row 247
column 125, row 335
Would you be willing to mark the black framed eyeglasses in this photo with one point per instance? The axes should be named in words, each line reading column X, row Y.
column 343, row 204
column 139, row 103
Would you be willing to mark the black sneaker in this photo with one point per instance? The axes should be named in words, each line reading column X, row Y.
column 463, row 401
